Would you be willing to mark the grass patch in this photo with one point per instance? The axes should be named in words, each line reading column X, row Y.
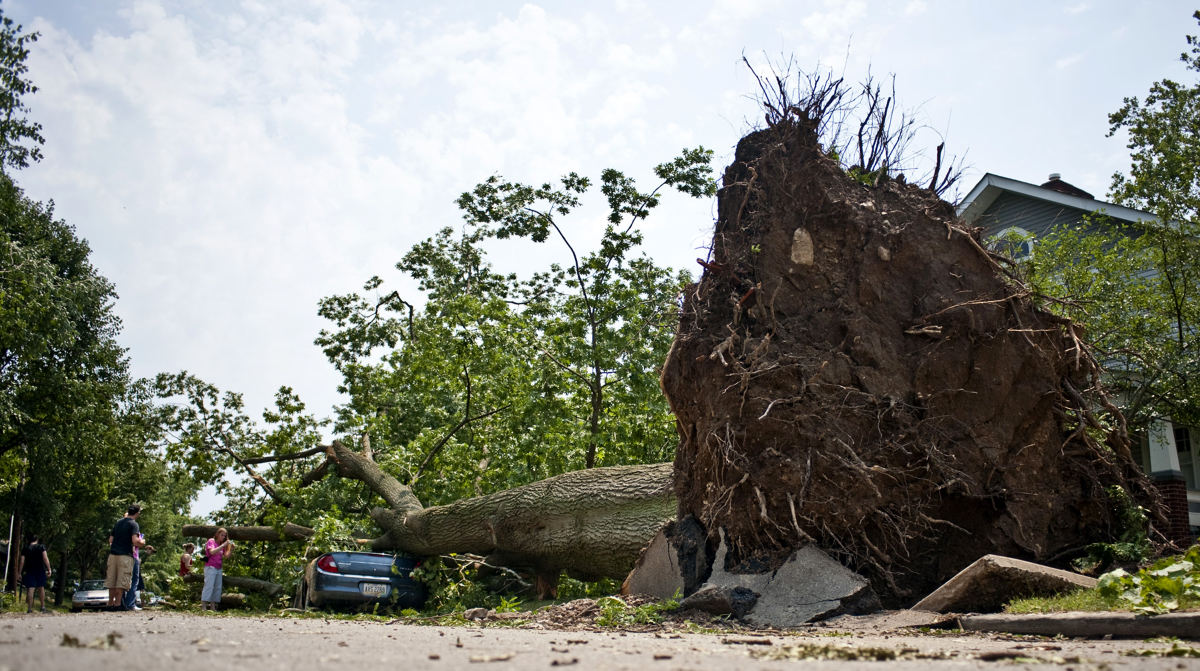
column 1177, row 649
column 1169, row 584
column 1084, row 600
column 11, row 603
column 1080, row 600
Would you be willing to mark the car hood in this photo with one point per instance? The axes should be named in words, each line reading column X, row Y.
column 90, row 594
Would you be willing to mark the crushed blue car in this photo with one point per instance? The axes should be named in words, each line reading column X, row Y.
column 356, row 579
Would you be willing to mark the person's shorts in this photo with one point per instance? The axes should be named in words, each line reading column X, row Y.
column 32, row 580
column 120, row 572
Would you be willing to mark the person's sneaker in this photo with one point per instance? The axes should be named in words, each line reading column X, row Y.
column 44, row 610
column 137, row 608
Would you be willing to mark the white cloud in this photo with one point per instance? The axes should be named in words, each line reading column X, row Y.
column 722, row 27
column 236, row 174
column 836, row 21
column 1078, row 8
column 915, row 8
column 218, row 182
column 1068, row 61
column 731, row 13
column 232, row 163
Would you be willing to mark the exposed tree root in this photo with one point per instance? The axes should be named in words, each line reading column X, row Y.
column 894, row 396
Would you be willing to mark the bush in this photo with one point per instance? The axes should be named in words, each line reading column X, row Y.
column 1167, row 584
column 616, row 613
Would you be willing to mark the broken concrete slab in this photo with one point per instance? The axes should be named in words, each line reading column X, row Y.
column 1088, row 625
column 657, row 571
column 992, row 581
column 888, row 621
column 476, row 614
column 724, row 600
column 809, row 586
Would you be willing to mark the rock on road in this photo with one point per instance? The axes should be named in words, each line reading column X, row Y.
column 167, row 640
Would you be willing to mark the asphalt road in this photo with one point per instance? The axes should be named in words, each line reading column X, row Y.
column 167, row 640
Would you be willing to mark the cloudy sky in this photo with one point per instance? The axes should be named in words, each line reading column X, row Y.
column 232, row 162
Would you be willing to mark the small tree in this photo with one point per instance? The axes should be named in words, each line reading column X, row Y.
column 604, row 321
column 1137, row 288
column 500, row 379
column 1110, row 278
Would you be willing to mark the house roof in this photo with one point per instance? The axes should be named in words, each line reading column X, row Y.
column 991, row 186
column 1056, row 183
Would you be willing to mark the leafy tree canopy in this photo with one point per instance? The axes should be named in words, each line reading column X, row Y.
column 20, row 138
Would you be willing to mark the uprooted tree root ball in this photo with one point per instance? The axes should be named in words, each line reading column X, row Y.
column 855, row 370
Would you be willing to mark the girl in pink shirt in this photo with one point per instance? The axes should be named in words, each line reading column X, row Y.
column 216, row 549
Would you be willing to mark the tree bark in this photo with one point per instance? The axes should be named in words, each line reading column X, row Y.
column 290, row 532
column 233, row 600
column 592, row 523
column 15, row 544
column 60, row 580
column 350, row 464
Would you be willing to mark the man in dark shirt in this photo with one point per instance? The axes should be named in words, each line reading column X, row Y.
column 125, row 536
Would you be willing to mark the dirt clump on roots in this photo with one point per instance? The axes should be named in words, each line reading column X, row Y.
column 854, row 369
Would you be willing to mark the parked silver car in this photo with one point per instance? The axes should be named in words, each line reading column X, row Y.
column 91, row 594
column 350, row 579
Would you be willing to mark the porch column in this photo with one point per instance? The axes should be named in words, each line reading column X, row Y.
column 1168, row 478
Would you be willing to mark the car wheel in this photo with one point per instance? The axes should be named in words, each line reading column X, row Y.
column 303, row 595
column 75, row 610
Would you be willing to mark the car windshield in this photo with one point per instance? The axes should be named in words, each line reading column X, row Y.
column 89, row 585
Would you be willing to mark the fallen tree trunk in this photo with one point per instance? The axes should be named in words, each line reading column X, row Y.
column 289, row 532
column 592, row 523
column 233, row 600
column 271, row 589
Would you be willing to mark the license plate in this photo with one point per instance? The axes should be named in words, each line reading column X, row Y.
column 373, row 589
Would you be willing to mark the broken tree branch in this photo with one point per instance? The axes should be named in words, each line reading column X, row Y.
column 350, row 464
column 937, row 167
column 286, row 457
column 289, row 532
column 271, row 589
column 437, row 448
column 315, row 474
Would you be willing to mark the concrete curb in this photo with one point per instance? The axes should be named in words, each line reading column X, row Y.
column 1088, row 625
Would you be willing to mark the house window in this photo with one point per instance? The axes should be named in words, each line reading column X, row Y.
column 1187, row 461
column 1140, row 450
column 1014, row 242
